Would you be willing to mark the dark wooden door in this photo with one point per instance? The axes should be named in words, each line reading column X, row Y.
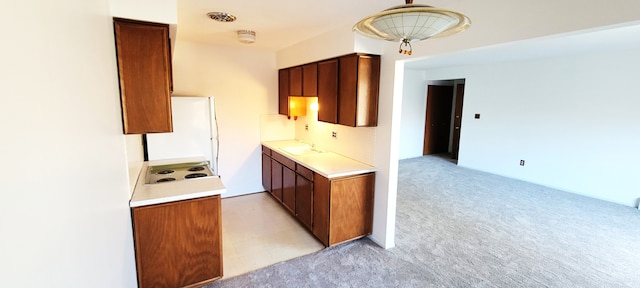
column 321, row 189
column 438, row 119
column 457, row 121
column 289, row 189
column 310, row 80
column 358, row 90
column 328, row 91
column 266, row 172
column 295, row 81
column 348, row 90
column 276, row 179
column 283, row 92
column 304, row 194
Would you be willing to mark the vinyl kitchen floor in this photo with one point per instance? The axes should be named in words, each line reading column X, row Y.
column 258, row 232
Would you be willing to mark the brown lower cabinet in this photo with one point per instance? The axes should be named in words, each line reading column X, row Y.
column 276, row 180
column 289, row 189
column 342, row 208
column 335, row 210
column 178, row 244
column 304, row 201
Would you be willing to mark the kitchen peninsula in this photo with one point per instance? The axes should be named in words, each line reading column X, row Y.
column 330, row 194
column 177, row 224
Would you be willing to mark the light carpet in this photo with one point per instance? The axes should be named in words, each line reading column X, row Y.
column 457, row 227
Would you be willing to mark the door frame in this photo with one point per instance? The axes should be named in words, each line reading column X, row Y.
column 457, row 120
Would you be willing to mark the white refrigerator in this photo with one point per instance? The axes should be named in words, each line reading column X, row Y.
column 194, row 132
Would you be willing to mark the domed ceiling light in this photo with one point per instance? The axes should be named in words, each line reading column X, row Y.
column 412, row 22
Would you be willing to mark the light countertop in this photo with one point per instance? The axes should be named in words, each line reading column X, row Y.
column 150, row 194
column 327, row 163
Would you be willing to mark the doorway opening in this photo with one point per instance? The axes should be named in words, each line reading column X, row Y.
column 443, row 122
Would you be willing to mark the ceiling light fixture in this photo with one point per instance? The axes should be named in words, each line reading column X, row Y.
column 221, row 16
column 246, row 36
column 411, row 22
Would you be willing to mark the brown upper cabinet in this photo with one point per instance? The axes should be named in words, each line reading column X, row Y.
column 144, row 68
column 310, row 79
column 358, row 88
column 328, row 91
column 347, row 88
column 295, row 81
column 303, row 80
column 283, row 92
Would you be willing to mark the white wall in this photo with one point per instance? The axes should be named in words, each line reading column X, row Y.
column 161, row 11
column 493, row 22
column 135, row 158
column 572, row 119
column 328, row 45
column 65, row 216
column 244, row 83
column 414, row 103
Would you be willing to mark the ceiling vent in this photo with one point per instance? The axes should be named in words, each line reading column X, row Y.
column 221, row 16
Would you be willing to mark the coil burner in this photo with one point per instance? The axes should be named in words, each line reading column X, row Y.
column 177, row 172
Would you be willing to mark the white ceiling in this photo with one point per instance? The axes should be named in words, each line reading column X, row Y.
column 282, row 23
column 277, row 23
column 612, row 38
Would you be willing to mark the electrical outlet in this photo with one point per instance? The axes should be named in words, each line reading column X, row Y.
column 334, row 134
column 306, row 127
column 521, row 162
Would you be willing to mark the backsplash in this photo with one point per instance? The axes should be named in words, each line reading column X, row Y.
column 355, row 143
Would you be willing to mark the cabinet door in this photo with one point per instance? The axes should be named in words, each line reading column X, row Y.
column 144, row 68
column 321, row 187
column 348, row 89
column 266, row 172
column 178, row 244
column 304, row 200
column 328, row 91
column 276, row 179
column 310, row 79
column 351, row 208
column 295, row 81
column 289, row 189
column 368, row 90
column 283, row 92
column 358, row 89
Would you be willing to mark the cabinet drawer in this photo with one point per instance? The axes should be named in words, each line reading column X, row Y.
column 284, row 160
column 304, row 172
column 266, row 150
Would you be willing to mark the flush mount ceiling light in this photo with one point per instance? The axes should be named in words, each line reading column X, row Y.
column 411, row 22
column 221, row 16
column 246, row 36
